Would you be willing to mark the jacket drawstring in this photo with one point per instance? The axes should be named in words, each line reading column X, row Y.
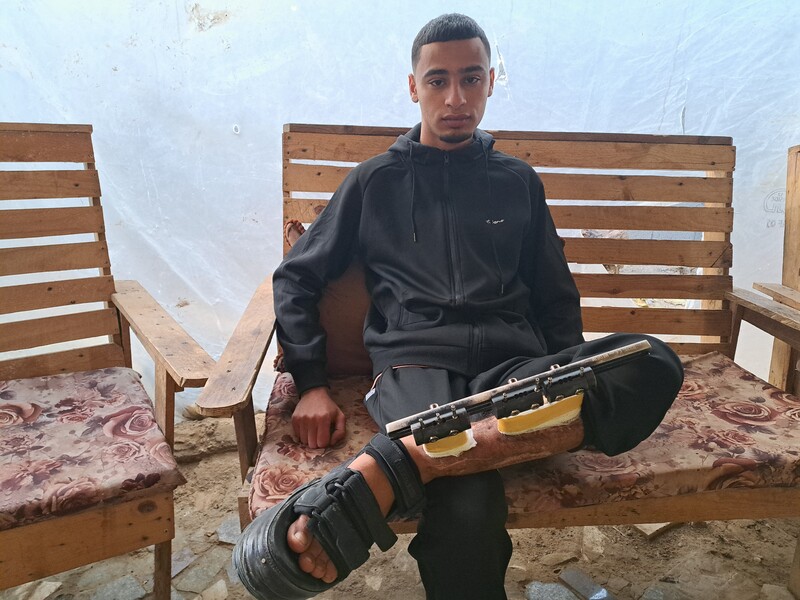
column 413, row 192
column 490, row 220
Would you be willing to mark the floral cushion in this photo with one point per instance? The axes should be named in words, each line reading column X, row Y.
column 71, row 441
column 727, row 428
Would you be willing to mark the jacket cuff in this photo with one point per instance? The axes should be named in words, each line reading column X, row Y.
column 309, row 375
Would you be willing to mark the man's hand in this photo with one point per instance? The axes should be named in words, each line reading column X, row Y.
column 317, row 420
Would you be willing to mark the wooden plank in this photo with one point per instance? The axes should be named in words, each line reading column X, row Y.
column 57, row 257
column 299, row 177
column 68, row 361
column 59, row 544
column 731, row 503
column 230, row 386
column 53, row 127
column 620, row 155
column 677, row 321
column 780, row 293
column 44, row 222
column 561, row 154
column 794, row 573
column 45, row 146
column 527, row 135
column 29, row 185
column 34, row 296
column 305, row 211
column 638, row 188
column 770, row 316
column 640, row 218
column 649, row 252
column 643, row 218
column 31, row 333
column 166, row 342
column 602, row 285
column 696, row 348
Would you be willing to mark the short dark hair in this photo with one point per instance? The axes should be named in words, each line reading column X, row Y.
column 448, row 28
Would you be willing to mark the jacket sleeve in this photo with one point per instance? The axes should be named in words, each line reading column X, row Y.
column 321, row 254
column 555, row 305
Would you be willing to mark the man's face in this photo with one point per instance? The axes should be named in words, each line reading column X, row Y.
column 451, row 82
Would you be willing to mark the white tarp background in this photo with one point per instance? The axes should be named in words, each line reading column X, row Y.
column 188, row 98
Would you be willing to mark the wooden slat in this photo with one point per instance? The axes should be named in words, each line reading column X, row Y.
column 59, row 544
column 563, row 154
column 58, row 257
column 46, row 146
column 31, row 333
column 731, row 503
column 601, row 285
column 638, row 188
column 649, row 252
column 44, row 222
column 28, row 185
column 166, row 341
column 229, row 388
column 617, row 155
column 527, row 135
column 772, row 317
column 67, row 361
column 33, row 296
column 643, row 218
column 676, row 321
column 780, row 293
column 299, row 177
column 52, row 127
column 304, row 211
column 695, row 348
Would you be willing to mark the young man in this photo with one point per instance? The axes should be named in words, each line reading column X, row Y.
column 470, row 288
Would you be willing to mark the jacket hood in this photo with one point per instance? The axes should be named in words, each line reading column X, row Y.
column 409, row 146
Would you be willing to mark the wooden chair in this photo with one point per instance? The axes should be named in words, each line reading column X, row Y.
column 86, row 467
column 647, row 224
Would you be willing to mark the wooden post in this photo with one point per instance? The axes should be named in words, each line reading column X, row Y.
column 794, row 574
column 165, row 403
column 784, row 364
column 245, row 425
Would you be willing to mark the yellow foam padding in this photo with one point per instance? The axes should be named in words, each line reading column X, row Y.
column 549, row 415
column 452, row 445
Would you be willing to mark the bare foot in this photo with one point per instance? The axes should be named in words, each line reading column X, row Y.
column 311, row 557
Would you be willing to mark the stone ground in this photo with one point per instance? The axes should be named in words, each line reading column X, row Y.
column 738, row 560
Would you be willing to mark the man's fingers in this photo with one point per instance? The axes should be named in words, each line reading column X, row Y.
column 323, row 433
column 339, row 429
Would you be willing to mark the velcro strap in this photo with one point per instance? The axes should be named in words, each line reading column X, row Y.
column 345, row 518
column 402, row 473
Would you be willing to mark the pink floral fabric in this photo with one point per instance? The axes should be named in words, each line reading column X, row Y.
column 71, row 441
column 727, row 428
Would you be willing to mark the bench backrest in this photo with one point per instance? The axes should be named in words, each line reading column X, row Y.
column 55, row 277
column 646, row 221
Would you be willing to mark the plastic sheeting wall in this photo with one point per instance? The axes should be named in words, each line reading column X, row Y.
column 188, row 98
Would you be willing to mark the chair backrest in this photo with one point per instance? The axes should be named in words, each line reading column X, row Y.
column 55, row 276
column 646, row 220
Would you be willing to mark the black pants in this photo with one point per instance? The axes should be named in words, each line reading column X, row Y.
column 462, row 547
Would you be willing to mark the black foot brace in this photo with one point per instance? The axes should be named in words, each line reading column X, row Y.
column 343, row 516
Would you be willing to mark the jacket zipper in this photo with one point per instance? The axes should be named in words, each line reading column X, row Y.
column 457, row 297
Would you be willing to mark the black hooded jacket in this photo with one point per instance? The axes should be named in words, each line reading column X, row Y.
column 463, row 263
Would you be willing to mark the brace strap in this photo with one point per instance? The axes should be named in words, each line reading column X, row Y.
column 403, row 475
column 345, row 518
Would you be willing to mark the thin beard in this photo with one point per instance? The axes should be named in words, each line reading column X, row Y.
column 453, row 139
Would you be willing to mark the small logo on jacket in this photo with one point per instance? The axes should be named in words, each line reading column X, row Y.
column 492, row 222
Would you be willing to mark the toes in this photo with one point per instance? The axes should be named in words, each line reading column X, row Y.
column 312, row 559
column 298, row 538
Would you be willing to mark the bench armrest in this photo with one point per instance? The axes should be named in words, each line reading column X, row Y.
column 770, row 316
column 164, row 339
column 231, row 381
column 780, row 293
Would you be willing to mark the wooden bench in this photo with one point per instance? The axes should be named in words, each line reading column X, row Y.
column 647, row 224
column 86, row 469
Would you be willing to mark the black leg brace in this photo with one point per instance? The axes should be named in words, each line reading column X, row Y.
column 343, row 516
